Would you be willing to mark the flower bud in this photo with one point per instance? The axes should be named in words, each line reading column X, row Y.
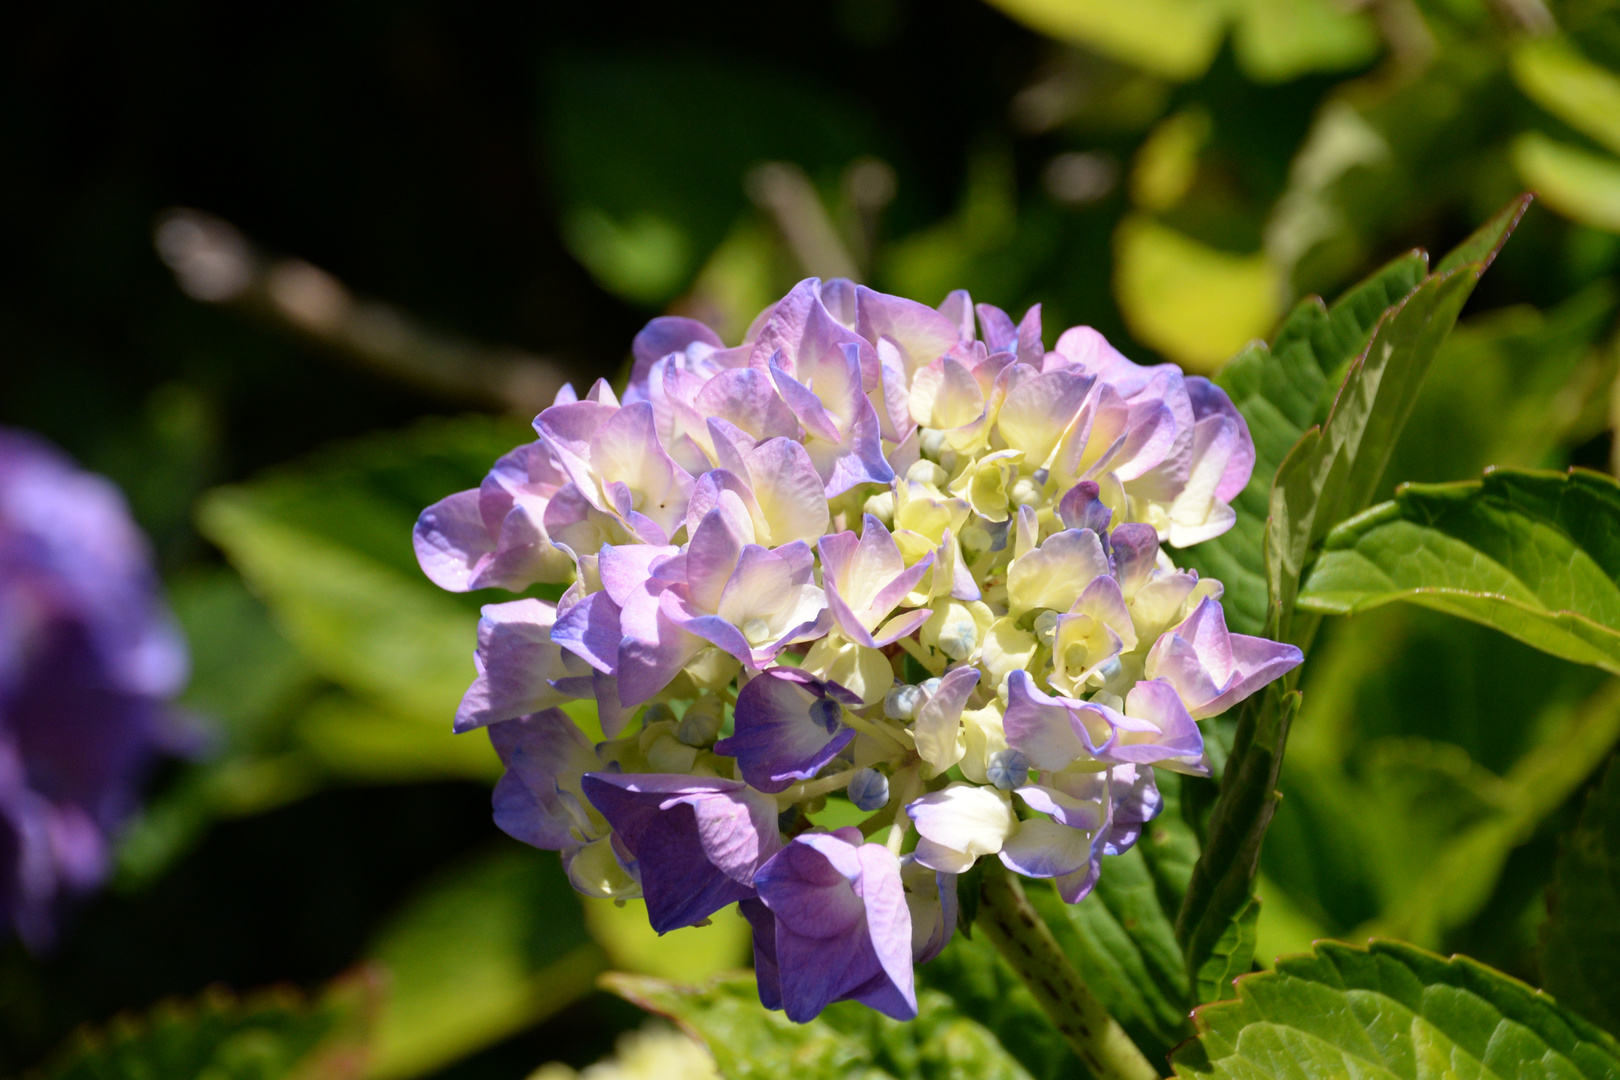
column 1007, row 769
column 1046, row 626
column 657, row 713
column 702, row 722
column 880, row 506
column 869, row 790
column 1026, row 491
column 923, row 471
column 901, row 702
column 828, row 713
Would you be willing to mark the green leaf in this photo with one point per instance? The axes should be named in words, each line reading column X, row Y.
column 1333, row 470
column 1278, row 391
column 1124, row 946
column 848, row 1040
column 483, row 951
column 1121, row 938
column 1513, row 387
column 1580, row 942
column 1394, row 1011
column 218, row 1036
column 1330, row 473
column 1577, row 183
column 247, row 682
column 1221, row 890
column 1231, row 955
column 1276, row 40
column 972, row 973
column 689, row 954
column 1422, row 774
column 327, row 545
column 1554, row 75
column 1535, row 555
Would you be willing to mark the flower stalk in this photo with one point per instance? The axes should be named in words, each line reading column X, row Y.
column 1024, row 940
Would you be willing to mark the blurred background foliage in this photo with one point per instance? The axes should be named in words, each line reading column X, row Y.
column 289, row 274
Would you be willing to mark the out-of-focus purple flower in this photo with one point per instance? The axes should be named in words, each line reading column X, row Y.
column 788, row 725
column 88, row 656
column 696, row 842
column 833, row 924
column 1212, row 669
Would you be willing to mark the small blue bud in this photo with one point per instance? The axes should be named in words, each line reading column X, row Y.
column 828, row 713
column 869, row 790
column 1108, row 668
column 657, row 713
column 1008, row 769
column 901, row 702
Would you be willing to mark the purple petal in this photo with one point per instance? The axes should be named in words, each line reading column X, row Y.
column 544, row 755
column 1210, row 400
column 778, row 739
column 662, row 336
column 452, row 541
column 697, row 842
column 842, row 926
column 517, row 663
column 591, row 631
column 997, row 329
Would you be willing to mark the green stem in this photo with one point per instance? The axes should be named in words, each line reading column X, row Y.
column 1024, row 940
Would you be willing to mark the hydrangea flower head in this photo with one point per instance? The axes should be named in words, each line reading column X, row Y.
column 89, row 656
column 900, row 556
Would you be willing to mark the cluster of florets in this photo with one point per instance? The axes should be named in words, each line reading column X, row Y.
column 89, row 655
column 867, row 564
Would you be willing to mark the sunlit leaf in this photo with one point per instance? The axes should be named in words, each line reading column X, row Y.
column 1231, row 955
column 1580, row 942
column 689, row 954
column 1535, row 555
column 1422, row 777
column 1276, row 39
column 1279, row 391
column 848, row 1040
column 1513, row 387
column 1554, row 75
column 1221, row 890
column 1124, row 946
column 1577, row 183
column 1391, row 1011
column 327, row 546
column 1191, row 302
column 488, row 948
column 1334, row 469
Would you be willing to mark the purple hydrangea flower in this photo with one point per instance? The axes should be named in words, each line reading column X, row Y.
column 1213, row 669
column 88, row 656
column 696, row 842
column 762, row 535
column 788, row 726
column 832, row 924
